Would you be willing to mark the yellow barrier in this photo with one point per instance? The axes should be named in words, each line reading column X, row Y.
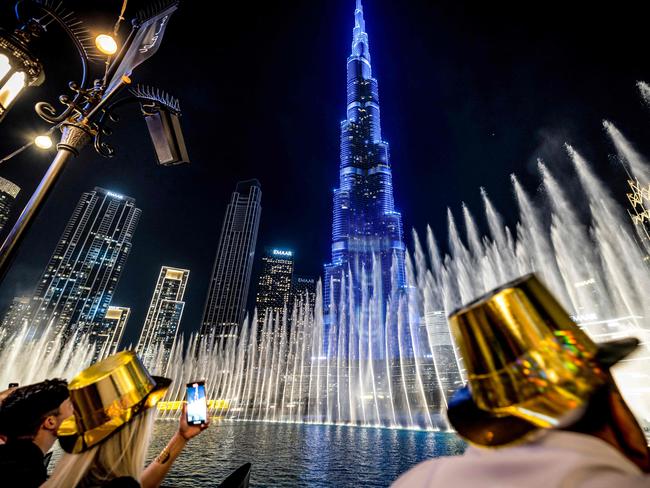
column 177, row 405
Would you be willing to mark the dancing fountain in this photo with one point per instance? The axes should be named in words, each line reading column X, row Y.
column 396, row 366
column 398, row 369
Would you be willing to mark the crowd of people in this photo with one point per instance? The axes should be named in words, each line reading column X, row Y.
column 541, row 408
column 103, row 420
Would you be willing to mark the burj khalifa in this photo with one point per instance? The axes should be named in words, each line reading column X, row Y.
column 367, row 234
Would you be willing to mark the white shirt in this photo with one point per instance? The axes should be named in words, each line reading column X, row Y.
column 557, row 459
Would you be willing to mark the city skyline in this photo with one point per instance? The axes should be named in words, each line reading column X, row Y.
column 457, row 124
column 361, row 263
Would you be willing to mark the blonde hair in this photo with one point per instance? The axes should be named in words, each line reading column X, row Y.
column 122, row 454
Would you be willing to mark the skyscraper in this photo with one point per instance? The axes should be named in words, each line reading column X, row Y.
column 366, row 226
column 8, row 193
column 107, row 335
column 77, row 286
column 303, row 289
column 274, row 285
column 445, row 359
column 231, row 275
column 13, row 319
column 165, row 312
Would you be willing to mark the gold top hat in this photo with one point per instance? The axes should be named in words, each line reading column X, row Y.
column 528, row 364
column 106, row 396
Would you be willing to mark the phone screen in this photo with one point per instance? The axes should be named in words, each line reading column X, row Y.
column 197, row 405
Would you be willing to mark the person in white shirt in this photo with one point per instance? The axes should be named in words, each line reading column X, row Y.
column 541, row 408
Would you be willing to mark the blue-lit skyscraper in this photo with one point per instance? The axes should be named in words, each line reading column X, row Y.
column 366, row 226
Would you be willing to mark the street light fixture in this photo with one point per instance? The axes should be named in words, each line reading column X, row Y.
column 43, row 142
column 18, row 67
column 106, row 44
column 87, row 113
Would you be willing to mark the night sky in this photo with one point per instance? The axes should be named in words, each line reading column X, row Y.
column 470, row 92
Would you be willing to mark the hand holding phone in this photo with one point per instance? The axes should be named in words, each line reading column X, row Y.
column 197, row 404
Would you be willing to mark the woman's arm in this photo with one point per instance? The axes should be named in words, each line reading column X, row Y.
column 155, row 473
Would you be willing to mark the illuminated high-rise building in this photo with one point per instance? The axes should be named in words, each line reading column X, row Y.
column 77, row 286
column 303, row 299
column 303, row 289
column 366, row 228
column 8, row 193
column 448, row 371
column 274, row 285
column 13, row 319
column 165, row 312
column 231, row 275
column 107, row 335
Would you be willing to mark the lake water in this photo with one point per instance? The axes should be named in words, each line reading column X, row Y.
column 301, row 455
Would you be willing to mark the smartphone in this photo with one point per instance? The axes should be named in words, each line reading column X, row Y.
column 197, row 404
column 13, row 385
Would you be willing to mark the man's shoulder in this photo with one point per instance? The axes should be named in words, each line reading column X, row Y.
column 19, row 450
column 21, row 464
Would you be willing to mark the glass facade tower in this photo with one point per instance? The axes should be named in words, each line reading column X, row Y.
column 8, row 194
column 106, row 336
column 231, row 275
column 164, row 315
column 77, row 286
column 366, row 228
column 274, row 285
column 14, row 317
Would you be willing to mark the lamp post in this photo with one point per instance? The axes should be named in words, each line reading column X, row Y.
column 87, row 114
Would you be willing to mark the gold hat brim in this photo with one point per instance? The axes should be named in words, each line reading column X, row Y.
column 74, row 442
column 482, row 428
column 486, row 429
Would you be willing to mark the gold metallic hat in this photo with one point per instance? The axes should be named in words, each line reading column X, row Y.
column 105, row 397
column 528, row 364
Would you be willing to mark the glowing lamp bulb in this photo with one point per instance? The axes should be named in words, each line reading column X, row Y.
column 106, row 44
column 43, row 142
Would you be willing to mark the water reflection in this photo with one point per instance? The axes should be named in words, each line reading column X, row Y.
column 294, row 455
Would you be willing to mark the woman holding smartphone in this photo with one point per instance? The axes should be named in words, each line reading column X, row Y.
column 109, row 449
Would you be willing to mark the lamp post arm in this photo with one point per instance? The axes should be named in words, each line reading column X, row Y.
column 120, row 55
column 149, row 99
column 77, row 34
column 102, row 148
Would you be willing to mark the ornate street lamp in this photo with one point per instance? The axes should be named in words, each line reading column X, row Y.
column 88, row 111
column 18, row 67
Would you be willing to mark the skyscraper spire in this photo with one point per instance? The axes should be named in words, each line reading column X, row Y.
column 366, row 226
column 360, row 46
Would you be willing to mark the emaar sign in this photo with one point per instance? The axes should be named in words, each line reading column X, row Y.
column 280, row 252
column 114, row 195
